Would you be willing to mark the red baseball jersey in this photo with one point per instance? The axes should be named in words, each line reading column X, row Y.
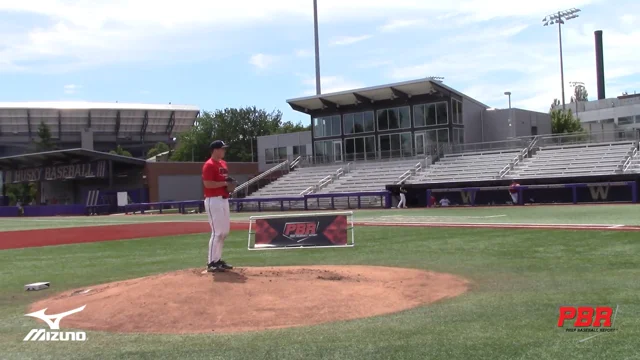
column 512, row 188
column 215, row 170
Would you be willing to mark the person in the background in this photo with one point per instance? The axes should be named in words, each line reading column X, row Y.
column 432, row 201
column 513, row 191
column 403, row 198
column 444, row 202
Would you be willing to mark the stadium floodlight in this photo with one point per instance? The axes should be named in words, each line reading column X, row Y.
column 435, row 78
column 559, row 18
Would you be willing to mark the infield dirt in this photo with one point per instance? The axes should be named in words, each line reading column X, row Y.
column 250, row 299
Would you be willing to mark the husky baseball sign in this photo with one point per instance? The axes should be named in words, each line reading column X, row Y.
column 54, row 324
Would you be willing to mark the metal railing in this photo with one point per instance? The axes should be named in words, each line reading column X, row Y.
column 283, row 165
column 629, row 161
column 513, row 163
column 409, row 173
column 325, row 181
column 618, row 135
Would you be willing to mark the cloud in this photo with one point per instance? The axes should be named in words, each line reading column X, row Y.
column 628, row 19
column 262, row 61
column 348, row 40
column 330, row 84
column 394, row 25
column 71, row 89
column 304, row 53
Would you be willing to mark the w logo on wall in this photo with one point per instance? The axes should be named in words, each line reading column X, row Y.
column 467, row 196
column 599, row 192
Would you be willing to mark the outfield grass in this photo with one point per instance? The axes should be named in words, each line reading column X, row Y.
column 519, row 279
column 559, row 214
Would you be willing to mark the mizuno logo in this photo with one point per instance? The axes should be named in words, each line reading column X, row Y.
column 55, row 324
column 53, row 321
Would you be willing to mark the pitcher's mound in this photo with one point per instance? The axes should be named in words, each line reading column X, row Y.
column 249, row 298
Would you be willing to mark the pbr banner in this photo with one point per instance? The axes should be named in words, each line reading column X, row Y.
column 322, row 230
column 58, row 172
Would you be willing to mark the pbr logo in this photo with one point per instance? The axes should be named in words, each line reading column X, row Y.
column 300, row 231
column 587, row 318
column 54, row 324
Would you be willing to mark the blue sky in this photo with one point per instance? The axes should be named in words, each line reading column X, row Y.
column 216, row 54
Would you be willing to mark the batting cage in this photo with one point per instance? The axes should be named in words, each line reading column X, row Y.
column 295, row 231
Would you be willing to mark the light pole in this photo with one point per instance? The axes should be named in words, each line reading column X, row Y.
column 508, row 93
column 559, row 18
column 580, row 87
column 315, row 33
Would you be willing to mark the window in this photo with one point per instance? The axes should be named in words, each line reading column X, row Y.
column 393, row 119
column 282, row 154
column 437, row 137
column 625, row 120
column 456, row 118
column 395, row 145
column 300, row 150
column 430, row 114
column 326, row 126
column 324, row 151
column 458, row 136
column 358, row 123
column 360, row 148
column 268, row 156
column 274, row 156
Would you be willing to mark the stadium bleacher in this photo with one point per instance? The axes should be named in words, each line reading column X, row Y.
column 466, row 166
column 371, row 176
column 297, row 181
column 572, row 160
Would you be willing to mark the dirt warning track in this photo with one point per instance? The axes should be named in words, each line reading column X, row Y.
column 88, row 234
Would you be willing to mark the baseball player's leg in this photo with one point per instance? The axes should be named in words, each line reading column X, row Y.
column 402, row 201
column 219, row 229
column 225, row 224
column 514, row 197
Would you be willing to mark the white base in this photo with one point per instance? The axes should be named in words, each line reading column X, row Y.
column 37, row 286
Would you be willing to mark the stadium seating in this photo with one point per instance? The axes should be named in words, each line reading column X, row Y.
column 297, row 181
column 364, row 177
column 572, row 160
column 465, row 167
column 370, row 176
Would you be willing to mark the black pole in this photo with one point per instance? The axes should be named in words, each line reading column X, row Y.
column 317, row 44
column 599, row 64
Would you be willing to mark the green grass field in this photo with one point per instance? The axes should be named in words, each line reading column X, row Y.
column 519, row 278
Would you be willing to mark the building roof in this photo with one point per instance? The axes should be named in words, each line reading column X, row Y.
column 22, row 118
column 375, row 93
column 84, row 105
column 69, row 156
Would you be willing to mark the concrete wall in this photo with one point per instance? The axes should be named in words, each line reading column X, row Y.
column 496, row 124
column 472, row 118
column 180, row 187
column 282, row 140
column 166, row 171
column 524, row 120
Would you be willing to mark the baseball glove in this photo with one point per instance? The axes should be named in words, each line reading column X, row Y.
column 231, row 184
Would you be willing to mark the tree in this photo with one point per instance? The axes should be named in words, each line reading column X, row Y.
column 580, row 94
column 563, row 122
column 237, row 127
column 554, row 104
column 120, row 151
column 289, row 127
column 45, row 143
column 158, row 148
